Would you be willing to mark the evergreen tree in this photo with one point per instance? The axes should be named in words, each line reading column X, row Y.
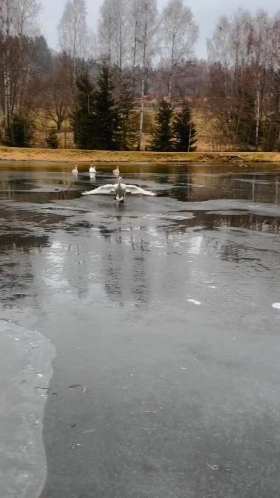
column 105, row 112
column 184, row 130
column 83, row 117
column 162, row 134
column 125, row 133
column 20, row 132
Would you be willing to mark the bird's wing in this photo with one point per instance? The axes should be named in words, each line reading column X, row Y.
column 103, row 190
column 134, row 190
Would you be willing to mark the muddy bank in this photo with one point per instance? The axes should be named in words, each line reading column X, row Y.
column 87, row 156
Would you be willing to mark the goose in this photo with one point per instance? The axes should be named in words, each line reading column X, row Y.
column 75, row 171
column 116, row 172
column 119, row 190
column 92, row 170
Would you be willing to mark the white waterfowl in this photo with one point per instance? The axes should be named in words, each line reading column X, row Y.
column 75, row 171
column 92, row 170
column 116, row 172
column 119, row 190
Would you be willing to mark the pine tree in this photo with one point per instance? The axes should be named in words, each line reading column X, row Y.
column 83, row 117
column 162, row 134
column 105, row 112
column 20, row 132
column 184, row 130
column 125, row 133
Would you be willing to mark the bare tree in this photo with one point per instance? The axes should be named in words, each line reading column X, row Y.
column 243, row 48
column 26, row 12
column 18, row 17
column 58, row 93
column 113, row 32
column 73, row 31
column 177, row 35
column 145, row 24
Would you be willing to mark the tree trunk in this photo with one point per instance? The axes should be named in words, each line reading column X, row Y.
column 141, row 145
column 258, row 114
column 145, row 41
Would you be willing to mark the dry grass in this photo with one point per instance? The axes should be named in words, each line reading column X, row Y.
column 88, row 156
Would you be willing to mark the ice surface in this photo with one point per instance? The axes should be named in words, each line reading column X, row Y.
column 25, row 367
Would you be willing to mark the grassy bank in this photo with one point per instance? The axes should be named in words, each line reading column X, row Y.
column 86, row 156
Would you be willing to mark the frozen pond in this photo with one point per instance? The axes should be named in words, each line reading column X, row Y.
column 140, row 344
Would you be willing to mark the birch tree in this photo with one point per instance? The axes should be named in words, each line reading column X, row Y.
column 145, row 24
column 19, row 17
column 73, row 31
column 177, row 35
column 26, row 12
column 113, row 32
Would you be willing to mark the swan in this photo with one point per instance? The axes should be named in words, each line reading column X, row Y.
column 75, row 171
column 92, row 170
column 116, row 172
column 119, row 190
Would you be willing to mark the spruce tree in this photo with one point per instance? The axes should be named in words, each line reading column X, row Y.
column 125, row 132
column 20, row 132
column 83, row 117
column 184, row 130
column 105, row 112
column 162, row 134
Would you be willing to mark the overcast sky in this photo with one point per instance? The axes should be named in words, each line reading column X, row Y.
column 205, row 11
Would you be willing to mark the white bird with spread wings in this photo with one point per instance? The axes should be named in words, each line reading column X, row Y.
column 119, row 190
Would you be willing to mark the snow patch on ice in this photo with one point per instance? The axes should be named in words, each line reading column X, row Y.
column 26, row 364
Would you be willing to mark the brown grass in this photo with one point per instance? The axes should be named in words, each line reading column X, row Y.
column 91, row 156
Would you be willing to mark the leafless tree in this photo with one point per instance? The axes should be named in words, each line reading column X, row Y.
column 17, row 20
column 177, row 35
column 18, row 17
column 145, row 24
column 113, row 32
column 242, row 47
column 58, row 95
column 26, row 12
column 73, row 31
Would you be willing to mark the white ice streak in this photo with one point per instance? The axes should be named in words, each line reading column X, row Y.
column 194, row 301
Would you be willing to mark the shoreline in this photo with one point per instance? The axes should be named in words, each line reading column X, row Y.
column 87, row 156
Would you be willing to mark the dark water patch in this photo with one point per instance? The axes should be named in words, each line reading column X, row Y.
column 226, row 221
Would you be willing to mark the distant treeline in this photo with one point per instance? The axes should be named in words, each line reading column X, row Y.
column 98, row 85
